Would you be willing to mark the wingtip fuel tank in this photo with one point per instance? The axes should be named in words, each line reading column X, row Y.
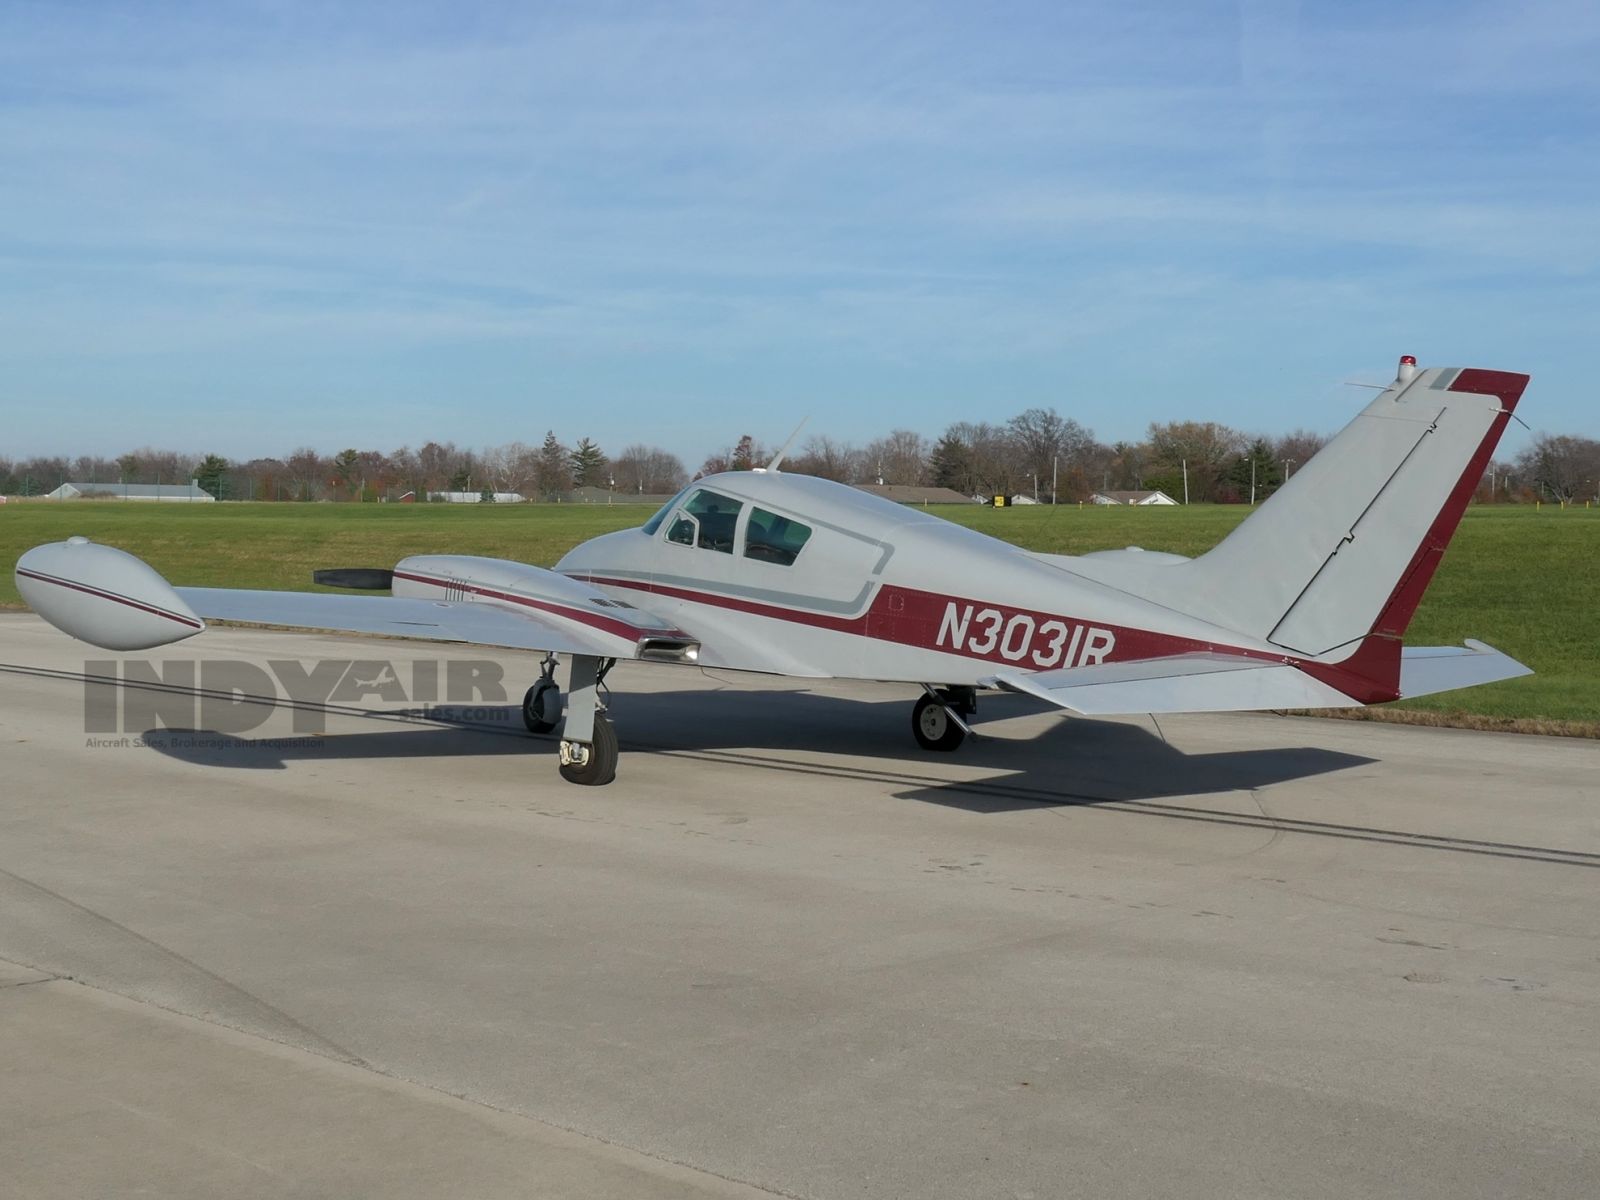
column 103, row 596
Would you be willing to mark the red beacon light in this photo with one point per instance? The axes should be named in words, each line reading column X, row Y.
column 1408, row 368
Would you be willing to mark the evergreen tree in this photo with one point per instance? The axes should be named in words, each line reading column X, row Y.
column 209, row 474
column 950, row 465
column 552, row 472
column 347, row 470
column 1268, row 474
column 588, row 464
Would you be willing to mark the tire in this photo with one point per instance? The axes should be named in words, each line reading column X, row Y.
column 933, row 728
column 541, row 707
column 602, row 765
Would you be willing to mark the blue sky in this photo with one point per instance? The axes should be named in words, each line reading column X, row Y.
column 245, row 228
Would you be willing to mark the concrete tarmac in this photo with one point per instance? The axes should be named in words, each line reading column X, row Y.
column 785, row 953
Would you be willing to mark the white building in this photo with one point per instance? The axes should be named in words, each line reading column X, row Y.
column 166, row 493
column 474, row 497
column 1139, row 499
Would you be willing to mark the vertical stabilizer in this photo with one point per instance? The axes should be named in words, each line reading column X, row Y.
column 1346, row 547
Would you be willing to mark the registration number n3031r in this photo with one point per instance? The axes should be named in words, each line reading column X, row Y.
column 1022, row 637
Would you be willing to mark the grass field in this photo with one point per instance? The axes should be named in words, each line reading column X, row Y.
column 1525, row 580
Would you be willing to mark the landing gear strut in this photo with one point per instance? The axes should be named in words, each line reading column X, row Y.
column 588, row 743
column 938, row 719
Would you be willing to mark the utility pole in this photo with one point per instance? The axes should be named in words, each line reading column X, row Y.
column 1186, row 481
column 1287, row 463
column 1055, row 474
column 1252, row 481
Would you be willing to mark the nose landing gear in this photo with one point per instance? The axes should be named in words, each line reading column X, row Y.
column 588, row 741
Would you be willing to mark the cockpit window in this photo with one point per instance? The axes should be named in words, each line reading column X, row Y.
column 774, row 539
column 654, row 523
column 707, row 521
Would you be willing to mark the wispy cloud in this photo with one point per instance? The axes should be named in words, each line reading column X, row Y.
column 512, row 217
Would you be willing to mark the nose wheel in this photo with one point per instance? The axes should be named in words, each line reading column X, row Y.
column 594, row 762
column 588, row 741
column 937, row 722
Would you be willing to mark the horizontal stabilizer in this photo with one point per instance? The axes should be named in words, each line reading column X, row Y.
column 1179, row 683
column 1428, row 669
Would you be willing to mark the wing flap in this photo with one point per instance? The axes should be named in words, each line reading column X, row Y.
column 478, row 624
column 1173, row 684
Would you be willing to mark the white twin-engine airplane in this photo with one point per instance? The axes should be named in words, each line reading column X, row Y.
column 1302, row 606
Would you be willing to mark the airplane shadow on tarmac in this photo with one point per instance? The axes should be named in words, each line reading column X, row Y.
column 1048, row 761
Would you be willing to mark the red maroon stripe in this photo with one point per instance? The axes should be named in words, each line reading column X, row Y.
column 1401, row 606
column 909, row 616
column 102, row 594
column 916, row 623
column 601, row 621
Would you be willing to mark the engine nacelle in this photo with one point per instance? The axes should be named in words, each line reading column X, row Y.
column 103, row 596
column 554, row 596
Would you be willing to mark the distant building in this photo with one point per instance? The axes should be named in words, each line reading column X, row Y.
column 1139, row 499
column 166, row 493
column 474, row 497
column 902, row 493
column 600, row 495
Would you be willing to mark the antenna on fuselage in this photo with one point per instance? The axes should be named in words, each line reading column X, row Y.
column 784, row 449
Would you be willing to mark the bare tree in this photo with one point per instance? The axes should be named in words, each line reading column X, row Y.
column 1297, row 448
column 899, row 458
column 436, row 463
column 744, row 455
column 648, row 470
column 308, row 474
column 510, row 468
column 993, row 463
column 1561, row 467
column 1202, row 450
column 1045, row 440
column 826, row 458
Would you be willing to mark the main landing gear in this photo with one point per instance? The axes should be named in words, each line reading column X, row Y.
column 938, row 721
column 588, row 742
column 541, row 704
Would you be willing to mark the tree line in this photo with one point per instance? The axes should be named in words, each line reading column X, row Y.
column 549, row 470
column 1037, row 453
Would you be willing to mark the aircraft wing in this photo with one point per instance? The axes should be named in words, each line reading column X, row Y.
column 1235, row 683
column 435, row 620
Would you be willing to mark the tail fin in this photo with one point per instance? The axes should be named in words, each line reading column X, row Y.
column 1345, row 549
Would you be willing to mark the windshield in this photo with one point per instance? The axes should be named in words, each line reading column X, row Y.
column 654, row 523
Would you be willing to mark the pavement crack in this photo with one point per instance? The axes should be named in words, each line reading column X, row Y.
column 274, row 1015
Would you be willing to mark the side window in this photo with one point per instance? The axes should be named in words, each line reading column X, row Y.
column 683, row 530
column 707, row 521
column 774, row 539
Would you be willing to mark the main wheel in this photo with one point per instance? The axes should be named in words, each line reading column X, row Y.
column 541, row 707
column 601, row 765
column 934, row 729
